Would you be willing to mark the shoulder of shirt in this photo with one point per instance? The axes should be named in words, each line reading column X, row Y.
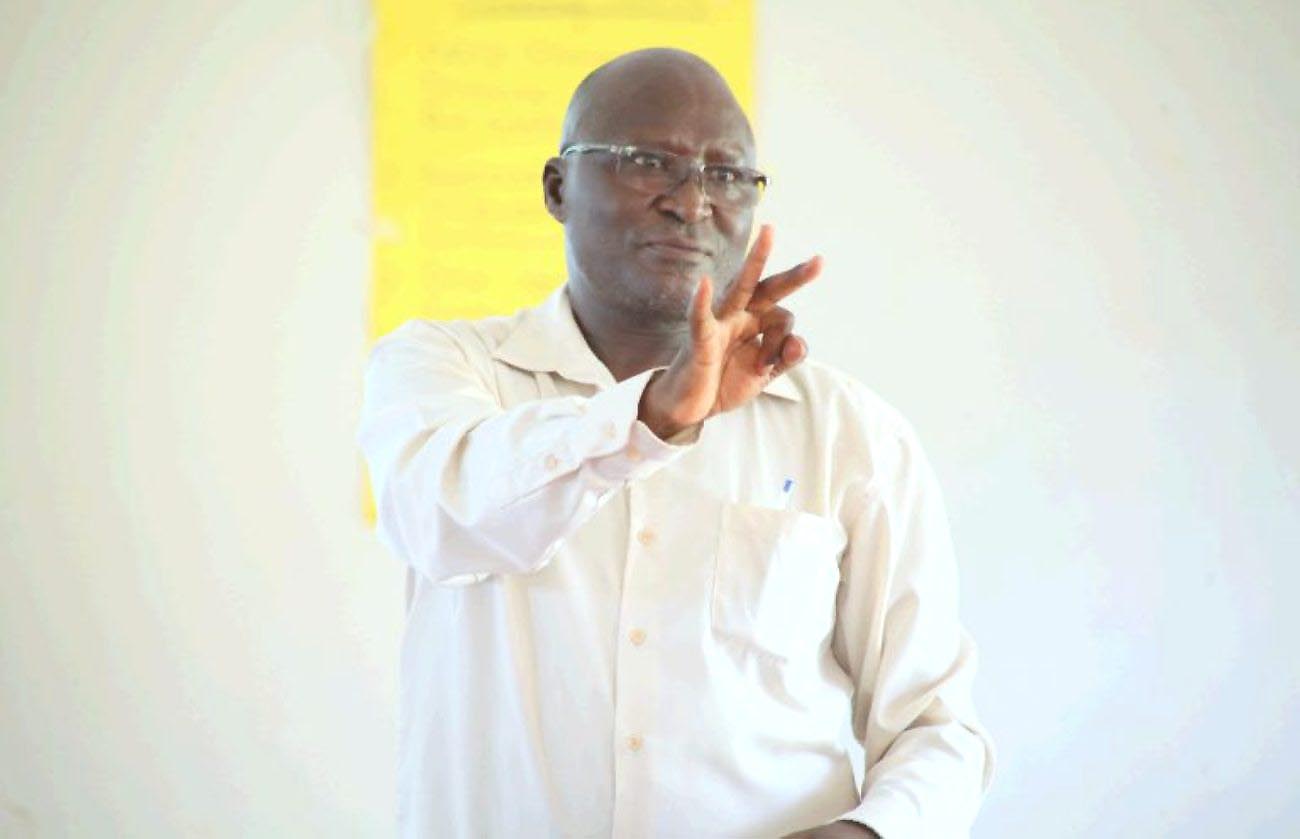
column 473, row 337
column 857, row 408
column 831, row 390
column 869, row 436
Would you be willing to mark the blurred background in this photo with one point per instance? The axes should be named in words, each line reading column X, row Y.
column 1060, row 237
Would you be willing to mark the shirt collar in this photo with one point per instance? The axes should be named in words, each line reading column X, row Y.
column 546, row 339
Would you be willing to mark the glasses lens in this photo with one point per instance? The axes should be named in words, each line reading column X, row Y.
column 651, row 171
column 728, row 186
column 660, row 172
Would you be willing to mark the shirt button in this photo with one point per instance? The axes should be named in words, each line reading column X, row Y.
column 552, row 462
column 646, row 536
column 634, row 742
column 637, row 636
column 633, row 454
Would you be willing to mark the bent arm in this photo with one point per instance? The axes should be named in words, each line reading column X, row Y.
column 465, row 487
column 928, row 759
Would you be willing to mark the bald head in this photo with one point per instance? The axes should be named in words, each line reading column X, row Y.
column 612, row 98
column 635, row 254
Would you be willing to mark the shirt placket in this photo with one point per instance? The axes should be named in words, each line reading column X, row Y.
column 636, row 735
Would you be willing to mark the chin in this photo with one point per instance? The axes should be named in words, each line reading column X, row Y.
column 665, row 298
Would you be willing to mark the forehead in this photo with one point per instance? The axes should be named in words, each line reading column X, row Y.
column 685, row 112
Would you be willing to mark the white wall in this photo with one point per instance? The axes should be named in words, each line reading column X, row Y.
column 197, row 633
column 1064, row 243
column 1060, row 242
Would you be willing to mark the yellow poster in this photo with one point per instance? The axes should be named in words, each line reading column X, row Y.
column 469, row 96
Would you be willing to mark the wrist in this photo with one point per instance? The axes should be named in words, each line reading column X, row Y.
column 650, row 413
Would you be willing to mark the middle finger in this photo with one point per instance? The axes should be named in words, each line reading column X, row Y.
column 779, row 286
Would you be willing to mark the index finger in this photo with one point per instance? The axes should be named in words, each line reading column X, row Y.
column 747, row 280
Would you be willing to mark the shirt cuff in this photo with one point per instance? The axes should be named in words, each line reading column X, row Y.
column 618, row 445
column 685, row 437
column 892, row 816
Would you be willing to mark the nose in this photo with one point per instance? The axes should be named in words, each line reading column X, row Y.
column 687, row 201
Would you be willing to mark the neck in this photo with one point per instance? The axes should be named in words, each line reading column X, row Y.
column 625, row 344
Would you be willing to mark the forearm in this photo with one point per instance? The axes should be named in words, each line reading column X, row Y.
column 930, row 782
column 928, row 760
column 496, row 494
column 842, row 829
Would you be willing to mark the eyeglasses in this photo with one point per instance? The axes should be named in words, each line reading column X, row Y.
column 660, row 172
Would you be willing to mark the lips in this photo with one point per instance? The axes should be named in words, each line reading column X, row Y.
column 679, row 246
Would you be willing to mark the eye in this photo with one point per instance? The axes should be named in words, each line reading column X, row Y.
column 649, row 160
column 724, row 174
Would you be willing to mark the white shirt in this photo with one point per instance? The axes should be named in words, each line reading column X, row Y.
column 612, row 635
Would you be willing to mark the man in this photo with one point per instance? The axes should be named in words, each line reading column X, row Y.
column 660, row 572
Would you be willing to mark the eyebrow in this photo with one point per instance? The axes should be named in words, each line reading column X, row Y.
column 733, row 153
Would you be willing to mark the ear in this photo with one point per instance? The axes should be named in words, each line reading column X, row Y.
column 553, row 188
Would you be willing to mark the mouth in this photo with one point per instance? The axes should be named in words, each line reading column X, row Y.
column 678, row 248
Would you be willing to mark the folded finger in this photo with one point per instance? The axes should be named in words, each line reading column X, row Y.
column 775, row 325
column 793, row 350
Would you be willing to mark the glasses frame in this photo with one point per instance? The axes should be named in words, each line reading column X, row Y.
column 697, row 168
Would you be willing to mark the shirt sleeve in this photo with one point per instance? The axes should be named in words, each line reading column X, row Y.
column 465, row 488
column 928, row 760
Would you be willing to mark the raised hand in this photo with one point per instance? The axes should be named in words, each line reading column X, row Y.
column 734, row 352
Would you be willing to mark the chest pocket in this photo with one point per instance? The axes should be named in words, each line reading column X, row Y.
column 775, row 579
